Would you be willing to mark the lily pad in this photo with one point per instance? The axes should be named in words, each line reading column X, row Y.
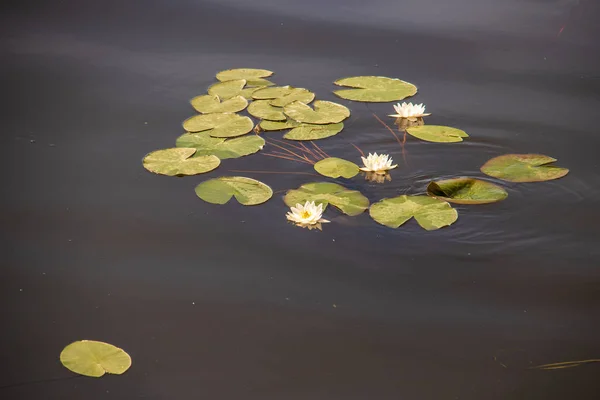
column 523, row 168
column 314, row 132
column 179, row 161
column 374, row 89
column 91, row 358
column 243, row 73
column 259, row 83
column 263, row 110
column 430, row 213
column 466, row 191
column 227, row 90
column 436, row 133
column 350, row 202
column 298, row 94
column 273, row 92
column 333, row 167
column 221, row 147
column 278, row 125
column 212, row 104
column 246, row 191
column 219, row 124
column 325, row 112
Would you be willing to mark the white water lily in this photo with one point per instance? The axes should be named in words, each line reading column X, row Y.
column 379, row 164
column 307, row 215
column 409, row 110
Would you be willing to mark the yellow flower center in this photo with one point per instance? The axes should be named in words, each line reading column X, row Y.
column 305, row 214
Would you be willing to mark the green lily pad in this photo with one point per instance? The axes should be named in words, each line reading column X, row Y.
column 313, row 132
column 374, row 89
column 179, row 161
column 259, row 83
column 325, row 112
column 263, row 110
column 274, row 92
column 333, row 167
column 243, row 73
column 298, row 94
column 221, row 147
column 246, row 191
column 466, row 191
column 212, row 104
column 350, row 202
column 219, row 124
column 91, row 358
column 227, row 90
column 523, row 168
column 438, row 134
column 278, row 125
column 430, row 213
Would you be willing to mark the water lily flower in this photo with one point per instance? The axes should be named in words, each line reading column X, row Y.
column 307, row 215
column 409, row 110
column 378, row 164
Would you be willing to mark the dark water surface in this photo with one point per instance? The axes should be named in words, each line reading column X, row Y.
column 232, row 302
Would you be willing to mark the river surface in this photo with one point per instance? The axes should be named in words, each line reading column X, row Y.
column 232, row 302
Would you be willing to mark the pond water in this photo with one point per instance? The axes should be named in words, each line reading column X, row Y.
column 232, row 302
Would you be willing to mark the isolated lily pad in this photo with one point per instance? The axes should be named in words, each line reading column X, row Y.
column 325, row 112
column 278, row 125
column 298, row 94
column 221, row 147
column 333, row 167
column 91, row 358
column 179, row 161
column 374, row 89
column 212, row 104
column 219, row 124
column 313, row 132
column 243, row 73
column 274, row 92
column 438, row 134
column 246, row 191
column 263, row 110
column 466, row 191
column 429, row 212
column 350, row 202
column 523, row 168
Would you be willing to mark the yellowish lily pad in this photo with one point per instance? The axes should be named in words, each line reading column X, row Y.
column 273, row 92
column 430, row 213
column 247, row 191
column 207, row 104
column 325, row 112
column 94, row 359
column 298, row 94
column 334, row 167
column 523, row 168
column 350, row 202
column 436, row 133
column 374, row 89
column 243, row 73
column 221, row 147
column 179, row 162
column 219, row 124
column 263, row 110
column 466, row 191
column 278, row 125
column 314, row 132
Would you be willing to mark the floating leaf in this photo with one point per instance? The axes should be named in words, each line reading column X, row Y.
column 220, row 147
column 227, row 90
column 263, row 110
column 277, row 125
column 438, row 134
column 430, row 213
column 179, row 161
column 243, row 73
column 325, row 112
column 313, row 132
column 259, row 83
column 91, row 358
column 248, row 192
column 220, row 124
column 298, row 94
column 466, row 191
column 212, row 104
column 333, row 167
column 374, row 89
column 523, row 168
column 350, row 202
column 273, row 92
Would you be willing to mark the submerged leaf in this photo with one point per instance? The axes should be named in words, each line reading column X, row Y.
column 298, row 94
column 523, row 168
column 333, row 167
column 91, row 358
column 221, row 147
column 430, row 213
column 219, row 124
column 436, row 133
column 212, row 104
column 374, row 89
column 243, row 73
column 466, row 191
column 277, row 125
column 246, row 191
column 179, row 161
column 314, row 132
column 325, row 112
column 263, row 110
column 350, row 202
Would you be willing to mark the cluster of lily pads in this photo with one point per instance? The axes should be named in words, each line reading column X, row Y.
column 220, row 132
